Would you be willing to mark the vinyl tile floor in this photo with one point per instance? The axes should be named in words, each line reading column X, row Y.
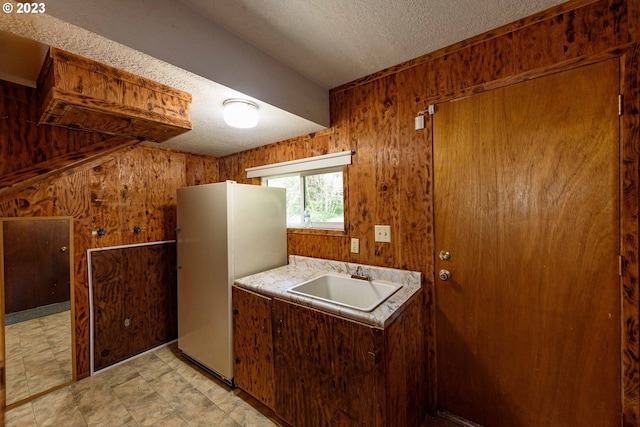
column 38, row 355
column 159, row 388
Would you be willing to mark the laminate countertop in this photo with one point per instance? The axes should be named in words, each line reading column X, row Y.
column 277, row 282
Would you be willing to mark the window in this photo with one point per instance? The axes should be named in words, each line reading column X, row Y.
column 315, row 189
column 315, row 199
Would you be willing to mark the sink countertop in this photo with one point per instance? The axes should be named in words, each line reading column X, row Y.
column 277, row 281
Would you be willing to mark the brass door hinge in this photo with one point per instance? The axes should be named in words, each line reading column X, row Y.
column 620, row 104
column 620, row 265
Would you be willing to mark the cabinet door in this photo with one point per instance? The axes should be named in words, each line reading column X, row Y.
column 325, row 368
column 253, row 345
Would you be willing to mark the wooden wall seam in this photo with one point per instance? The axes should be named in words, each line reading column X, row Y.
column 486, row 37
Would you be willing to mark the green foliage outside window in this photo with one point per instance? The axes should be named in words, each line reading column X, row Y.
column 322, row 198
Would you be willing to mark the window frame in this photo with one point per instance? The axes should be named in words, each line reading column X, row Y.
column 317, row 225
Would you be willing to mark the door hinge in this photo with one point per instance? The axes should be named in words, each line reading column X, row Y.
column 620, row 265
column 620, row 104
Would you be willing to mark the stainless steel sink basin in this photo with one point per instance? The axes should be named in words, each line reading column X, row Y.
column 343, row 290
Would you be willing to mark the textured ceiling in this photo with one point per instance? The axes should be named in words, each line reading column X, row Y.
column 283, row 54
column 337, row 41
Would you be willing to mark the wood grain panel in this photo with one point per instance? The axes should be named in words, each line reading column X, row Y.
column 30, row 244
column 633, row 20
column 106, row 209
column 362, row 174
column 532, row 51
column 82, row 242
column 109, row 290
column 329, row 246
column 569, row 7
column 200, row 170
column 135, row 189
column 19, row 122
column 353, row 126
column 570, row 35
column 385, row 206
column 167, row 173
column 405, row 352
column 503, row 339
column 79, row 93
column 136, row 283
column 332, row 384
column 161, row 293
column 49, row 169
column 416, row 221
column 630, row 211
column 253, row 345
column 413, row 173
column 91, row 194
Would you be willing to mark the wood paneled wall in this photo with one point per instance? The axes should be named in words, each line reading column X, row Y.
column 135, row 186
column 19, row 116
column 138, row 283
column 389, row 181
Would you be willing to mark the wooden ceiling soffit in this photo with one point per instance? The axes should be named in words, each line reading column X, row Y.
column 79, row 93
column 83, row 158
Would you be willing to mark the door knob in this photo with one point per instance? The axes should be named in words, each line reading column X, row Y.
column 63, row 249
column 444, row 275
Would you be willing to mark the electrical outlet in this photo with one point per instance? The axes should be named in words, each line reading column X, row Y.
column 355, row 246
column 383, row 233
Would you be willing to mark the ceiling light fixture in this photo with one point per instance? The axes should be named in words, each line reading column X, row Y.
column 240, row 113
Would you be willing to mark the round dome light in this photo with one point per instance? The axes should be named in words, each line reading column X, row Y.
column 240, row 113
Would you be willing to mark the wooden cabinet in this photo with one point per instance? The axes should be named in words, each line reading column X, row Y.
column 315, row 368
column 79, row 93
column 253, row 345
column 325, row 368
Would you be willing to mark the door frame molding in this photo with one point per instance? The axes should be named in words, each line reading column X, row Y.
column 629, row 234
column 629, row 56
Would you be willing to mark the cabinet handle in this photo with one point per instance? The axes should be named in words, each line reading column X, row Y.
column 237, row 360
column 235, row 310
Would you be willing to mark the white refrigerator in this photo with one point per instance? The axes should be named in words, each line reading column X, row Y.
column 224, row 231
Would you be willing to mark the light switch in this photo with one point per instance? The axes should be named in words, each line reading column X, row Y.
column 355, row 246
column 383, row 233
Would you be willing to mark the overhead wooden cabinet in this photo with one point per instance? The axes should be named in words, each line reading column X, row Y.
column 76, row 92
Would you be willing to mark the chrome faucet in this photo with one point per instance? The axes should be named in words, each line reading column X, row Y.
column 359, row 274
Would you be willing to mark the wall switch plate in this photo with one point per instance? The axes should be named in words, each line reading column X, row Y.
column 355, row 246
column 383, row 233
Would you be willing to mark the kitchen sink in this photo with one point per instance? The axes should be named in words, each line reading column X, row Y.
column 363, row 295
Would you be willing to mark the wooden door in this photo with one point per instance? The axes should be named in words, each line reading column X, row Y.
column 36, row 259
column 526, row 194
column 325, row 372
column 253, row 345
